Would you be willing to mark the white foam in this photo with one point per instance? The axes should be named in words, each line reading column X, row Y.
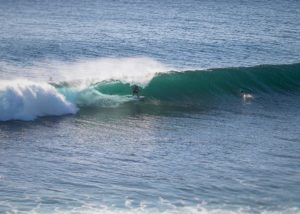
column 135, row 70
column 27, row 100
column 177, row 210
column 128, row 70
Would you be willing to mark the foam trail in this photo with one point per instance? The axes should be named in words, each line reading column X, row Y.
column 27, row 100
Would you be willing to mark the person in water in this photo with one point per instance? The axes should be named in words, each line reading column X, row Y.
column 246, row 96
column 135, row 91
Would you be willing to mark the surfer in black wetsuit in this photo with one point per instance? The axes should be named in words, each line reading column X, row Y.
column 135, row 91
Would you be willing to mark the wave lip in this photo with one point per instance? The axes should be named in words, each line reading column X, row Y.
column 26, row 100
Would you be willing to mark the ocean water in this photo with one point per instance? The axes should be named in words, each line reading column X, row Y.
column 218, row 131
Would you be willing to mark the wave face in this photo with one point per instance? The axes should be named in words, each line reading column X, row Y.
column 190, row 85
column 25, row 100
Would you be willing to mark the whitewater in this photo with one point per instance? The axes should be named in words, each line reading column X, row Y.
column 217, row 132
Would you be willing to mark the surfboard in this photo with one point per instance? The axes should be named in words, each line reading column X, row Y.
column 135, row 98
column 140, row 98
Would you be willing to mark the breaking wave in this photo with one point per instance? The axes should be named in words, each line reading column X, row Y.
column 26, row 100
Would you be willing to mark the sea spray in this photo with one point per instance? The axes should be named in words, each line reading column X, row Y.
column 138, row 70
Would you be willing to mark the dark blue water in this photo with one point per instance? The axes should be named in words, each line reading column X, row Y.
column 190, row 33
column 204, row 140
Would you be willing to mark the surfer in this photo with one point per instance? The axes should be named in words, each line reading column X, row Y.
column 246, row 96
column 135, row 91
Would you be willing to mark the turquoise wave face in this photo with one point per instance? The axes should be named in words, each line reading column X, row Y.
column 225, row 81
column 191, row 86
